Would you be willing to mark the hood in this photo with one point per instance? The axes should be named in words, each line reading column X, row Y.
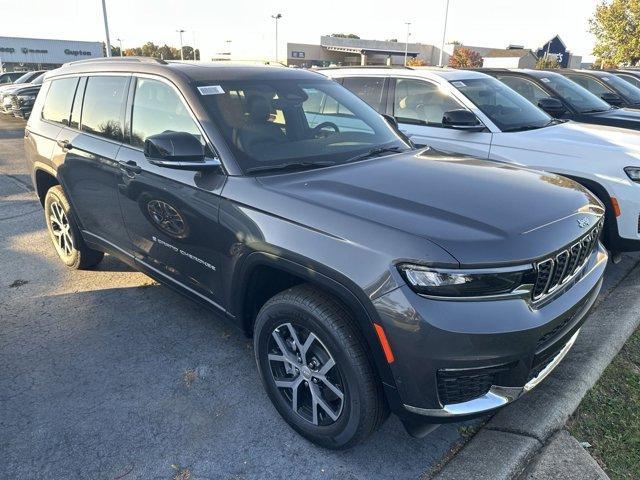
column 616, row 117
column 481, row 212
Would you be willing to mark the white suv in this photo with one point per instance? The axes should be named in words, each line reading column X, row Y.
column 472, row 113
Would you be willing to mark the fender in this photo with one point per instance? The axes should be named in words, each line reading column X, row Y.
column 336, row 284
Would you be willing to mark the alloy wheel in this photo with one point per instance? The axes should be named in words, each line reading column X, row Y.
column 306, row 374
column 61, row 229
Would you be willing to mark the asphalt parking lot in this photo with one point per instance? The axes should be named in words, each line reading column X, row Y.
column 106, row 374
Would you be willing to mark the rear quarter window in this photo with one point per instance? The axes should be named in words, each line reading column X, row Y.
column 57, row 105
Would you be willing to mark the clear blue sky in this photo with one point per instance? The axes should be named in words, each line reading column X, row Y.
column 248, row 24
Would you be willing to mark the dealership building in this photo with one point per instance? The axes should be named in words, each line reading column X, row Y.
column 17, row 54
column 340, row 51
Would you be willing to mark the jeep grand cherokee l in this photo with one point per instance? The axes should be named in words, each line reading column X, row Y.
column 372, row 276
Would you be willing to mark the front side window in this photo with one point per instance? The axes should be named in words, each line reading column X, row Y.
column 157, row 108
column 57, row 105
column 508, row 110
column 422, row 103
column 524, row 87
column 624, row 88
column 368, row 89
column 103, row 106
column 580, row 99
column 591, row 84
column 275, row 123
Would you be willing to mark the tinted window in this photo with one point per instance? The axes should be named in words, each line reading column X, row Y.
column 591, row 84
column 628, row 91
column 76, row 111
column 630, row 78
column 275, row 123
column 103, row 106
column 578, row 97
column 156, row 109
column 57, row 106
column 524, row 87
column 508, row 110
column 368, row 89
column 421, row 102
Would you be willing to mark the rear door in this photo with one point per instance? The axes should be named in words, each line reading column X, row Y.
column 419, row 105
column 86, row 151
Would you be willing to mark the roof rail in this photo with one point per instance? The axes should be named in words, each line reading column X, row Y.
column 365, row 67
column 117, row 60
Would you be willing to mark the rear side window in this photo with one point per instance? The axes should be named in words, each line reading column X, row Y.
column 103, row 106
column 57, row 105
column 368, row 89
column 156, row 109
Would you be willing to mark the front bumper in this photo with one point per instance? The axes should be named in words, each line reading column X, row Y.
column 508, row 344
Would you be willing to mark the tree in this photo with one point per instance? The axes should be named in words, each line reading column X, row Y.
column 415, row 62
column 616, row 26
column 465, row 58
column 547, row 63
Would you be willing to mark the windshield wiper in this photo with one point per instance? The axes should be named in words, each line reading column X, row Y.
column 553, row 121
column 375, row 152
column 597, row 110
column 290, row 166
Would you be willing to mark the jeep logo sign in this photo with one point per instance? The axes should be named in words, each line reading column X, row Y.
column 75, row 53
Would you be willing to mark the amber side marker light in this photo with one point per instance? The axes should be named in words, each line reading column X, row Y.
column 616, row 206
column 388, row 353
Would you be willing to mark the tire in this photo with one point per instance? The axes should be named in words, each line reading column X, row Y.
column 307, row 311
column 65, row 234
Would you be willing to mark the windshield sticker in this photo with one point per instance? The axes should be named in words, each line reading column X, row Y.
column 211, row 90
column 545, row 80
column 458, row 84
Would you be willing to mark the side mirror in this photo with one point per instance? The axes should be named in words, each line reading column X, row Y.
column 612, row 99
column 462, row 120
column 552, row 106
column 179, row 150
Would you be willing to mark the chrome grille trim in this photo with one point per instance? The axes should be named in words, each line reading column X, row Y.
column 553, row 272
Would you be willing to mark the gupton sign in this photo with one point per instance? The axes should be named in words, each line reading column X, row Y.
column 25, row 50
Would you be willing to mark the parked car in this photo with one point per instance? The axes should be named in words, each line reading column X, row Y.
column 6, row 105
column 565, row 99
column 609, row 87
column 9, row 77
column 25, row 77
column 372, row 276
column 472, row 113
column 630, row 75
column 22, row 99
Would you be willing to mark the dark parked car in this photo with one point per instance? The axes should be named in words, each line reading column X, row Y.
column 6, row 105
column 9, row 77
column 562, row 98
column 372, row 276
column 609, row 87
column 22, row 99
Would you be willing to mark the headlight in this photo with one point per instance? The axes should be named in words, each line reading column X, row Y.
column 465, row 283
column 633, row 173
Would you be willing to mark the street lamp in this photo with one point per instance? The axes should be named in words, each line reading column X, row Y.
column 406, row 43
column 106, row 28
column 444, row 33
column 181, row 49
column 276, row 17
column 120, row 42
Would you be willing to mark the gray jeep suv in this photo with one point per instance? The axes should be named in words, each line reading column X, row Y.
column 373, row 277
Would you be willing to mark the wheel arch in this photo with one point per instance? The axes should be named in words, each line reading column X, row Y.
column 44, row 179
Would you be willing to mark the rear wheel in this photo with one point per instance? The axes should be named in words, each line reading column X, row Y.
column 315, row 369
column 64, row 232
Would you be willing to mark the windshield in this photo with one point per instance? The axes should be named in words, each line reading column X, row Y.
column 578, row 97
column 24, row 78
column 276, row 124
column 625, row 89
column 38, row 80
column 508, row 110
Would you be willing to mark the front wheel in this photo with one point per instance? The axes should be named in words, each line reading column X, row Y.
column 65, row 234
column 315, row 368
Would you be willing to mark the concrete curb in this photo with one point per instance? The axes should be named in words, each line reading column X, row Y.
column 509, row 440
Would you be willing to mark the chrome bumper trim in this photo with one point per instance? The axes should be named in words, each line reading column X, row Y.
column 497, row 396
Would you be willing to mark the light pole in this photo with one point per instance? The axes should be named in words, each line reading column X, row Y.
column 106, row 28
column 120, row 42
column 276, row 17
column 181, row 49
column 406, row 43
column 444, row 33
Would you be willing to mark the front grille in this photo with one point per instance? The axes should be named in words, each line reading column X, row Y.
column 554, row 271
column 464, row 385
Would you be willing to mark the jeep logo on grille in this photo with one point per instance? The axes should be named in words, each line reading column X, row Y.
column 583, row 222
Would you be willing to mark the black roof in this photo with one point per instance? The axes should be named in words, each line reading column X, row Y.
column 195, row 72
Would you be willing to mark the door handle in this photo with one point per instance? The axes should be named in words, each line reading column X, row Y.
column 131, row 167
column 64, row 144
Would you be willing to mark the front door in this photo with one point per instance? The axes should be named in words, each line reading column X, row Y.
column 171, row 215
column 419, row 106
